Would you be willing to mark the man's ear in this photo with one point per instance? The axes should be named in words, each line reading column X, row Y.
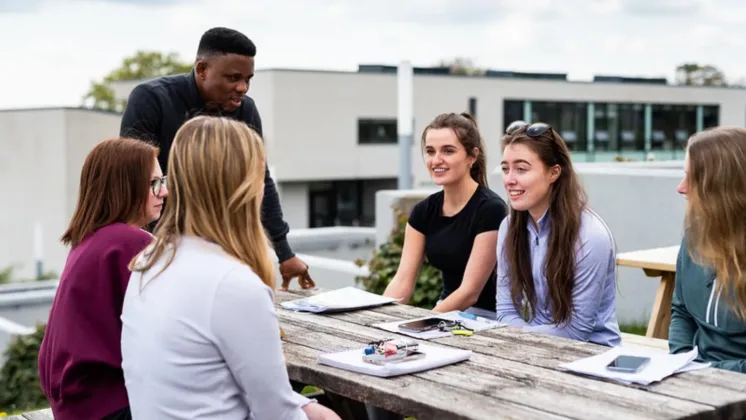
column 199, row 68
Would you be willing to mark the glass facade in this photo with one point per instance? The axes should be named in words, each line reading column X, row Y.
column 608, row 130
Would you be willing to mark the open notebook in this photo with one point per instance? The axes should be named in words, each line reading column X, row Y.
column 661, row 365
column 434, row 357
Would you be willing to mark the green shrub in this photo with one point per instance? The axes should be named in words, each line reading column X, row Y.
column 19, row 377
column 384, row 263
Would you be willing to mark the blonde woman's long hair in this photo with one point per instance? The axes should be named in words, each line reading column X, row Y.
column 716, row 197
column 216, row 173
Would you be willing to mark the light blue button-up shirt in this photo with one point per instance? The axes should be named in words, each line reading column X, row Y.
column 594, row 294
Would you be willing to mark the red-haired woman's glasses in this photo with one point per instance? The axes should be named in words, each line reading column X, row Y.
column 533, row 130
column 157, row 184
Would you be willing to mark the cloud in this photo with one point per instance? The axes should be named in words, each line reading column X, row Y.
column 658, row 8
column 147, row 2
column 19, row 6
column 578, row 37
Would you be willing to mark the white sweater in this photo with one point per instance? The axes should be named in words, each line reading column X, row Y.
column 202, row 341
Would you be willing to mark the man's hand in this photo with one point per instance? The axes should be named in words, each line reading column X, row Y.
column 294, row 267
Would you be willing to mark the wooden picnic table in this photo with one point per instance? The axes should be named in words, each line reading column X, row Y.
column 656, row 262
column 512, row 374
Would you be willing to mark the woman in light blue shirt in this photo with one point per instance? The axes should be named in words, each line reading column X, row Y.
column 556, row 257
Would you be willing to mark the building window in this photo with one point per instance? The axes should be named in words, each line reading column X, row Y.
column 335, row 203
column 672, row 126
column 711, row 114
column 619, row 127
column 567, row 118
column 512, row 111
column 377, row 131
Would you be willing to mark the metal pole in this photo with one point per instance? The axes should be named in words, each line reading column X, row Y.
column 404, row 124
column 38, row 249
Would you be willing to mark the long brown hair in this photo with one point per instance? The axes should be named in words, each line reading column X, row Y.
column 566, row 205
column 216, row 181
column 716, row 205
column 114, row 187
column 467, row 132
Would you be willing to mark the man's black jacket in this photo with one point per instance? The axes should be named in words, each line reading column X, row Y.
column 157, row 108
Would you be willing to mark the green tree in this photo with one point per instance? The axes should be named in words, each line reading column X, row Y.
column 142, row 65
column 460, row 65
column 693, row 74
column 19, row 376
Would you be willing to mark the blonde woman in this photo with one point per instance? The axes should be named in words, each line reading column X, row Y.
column 709, row 301
column 200, row 335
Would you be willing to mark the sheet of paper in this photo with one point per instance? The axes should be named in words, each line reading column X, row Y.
column 480, row 324
column 661, row 365
column 346, row 298
column 435, row 357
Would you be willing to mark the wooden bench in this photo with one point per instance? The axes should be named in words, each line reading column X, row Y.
column 656, row 262
column 640, row 341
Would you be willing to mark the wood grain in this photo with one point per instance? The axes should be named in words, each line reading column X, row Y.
column 661, row 259
column 521, row 368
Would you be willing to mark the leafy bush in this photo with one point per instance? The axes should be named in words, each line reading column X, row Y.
column 19, row 377
column 6, row 276
column 384, row 263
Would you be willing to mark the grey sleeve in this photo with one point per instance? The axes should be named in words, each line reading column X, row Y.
column 244, row 323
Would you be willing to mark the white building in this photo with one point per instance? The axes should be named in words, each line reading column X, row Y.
column 331, row 137
column 42, row 155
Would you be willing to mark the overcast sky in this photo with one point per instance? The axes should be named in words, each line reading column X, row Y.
column 52, row 49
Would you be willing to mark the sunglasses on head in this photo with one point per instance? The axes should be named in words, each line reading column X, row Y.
column 533, row 130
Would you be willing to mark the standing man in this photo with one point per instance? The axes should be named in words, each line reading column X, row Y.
column 217, row 85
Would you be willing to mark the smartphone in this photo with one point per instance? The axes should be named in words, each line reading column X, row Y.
column 628, row 364
column 426, row 324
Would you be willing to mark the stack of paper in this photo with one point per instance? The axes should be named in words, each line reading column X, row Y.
column 435, row 357
column 344, row 299
column 661, row 365
column 480, row 324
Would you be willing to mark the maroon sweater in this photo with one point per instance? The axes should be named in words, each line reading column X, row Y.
column 80, row 360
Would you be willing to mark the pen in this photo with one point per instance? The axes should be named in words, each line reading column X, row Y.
column 467, row 316
column 475, row 318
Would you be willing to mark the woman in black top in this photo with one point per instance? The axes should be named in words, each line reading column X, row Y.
column 456, row 227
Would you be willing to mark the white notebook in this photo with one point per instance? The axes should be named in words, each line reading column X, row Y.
column 344, row 299
column 661, row 365
column 435, row 357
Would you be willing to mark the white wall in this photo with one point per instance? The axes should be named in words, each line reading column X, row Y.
column 310, row 117
column 294, row 201
column 315, row 114
column 43, row 153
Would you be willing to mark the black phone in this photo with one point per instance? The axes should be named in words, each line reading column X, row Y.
column 628, row 364
column 426, row 324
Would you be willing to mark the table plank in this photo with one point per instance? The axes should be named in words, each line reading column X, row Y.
column 716, row 387
column 509, row 381
column 661, row 259
column 722, row 392
column 407, row 394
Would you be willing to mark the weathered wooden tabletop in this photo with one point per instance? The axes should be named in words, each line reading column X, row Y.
column 512, row 374
column 660, row 259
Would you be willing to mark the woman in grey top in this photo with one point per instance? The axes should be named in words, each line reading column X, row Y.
column 200, row 337
column 556, row 258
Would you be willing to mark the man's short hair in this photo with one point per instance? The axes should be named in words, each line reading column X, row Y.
column 225, row 41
